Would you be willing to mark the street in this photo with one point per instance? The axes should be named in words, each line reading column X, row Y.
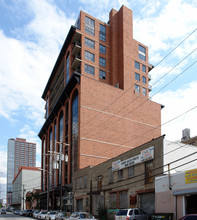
column 11, row 216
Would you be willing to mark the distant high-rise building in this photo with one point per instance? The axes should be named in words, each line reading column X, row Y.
column 20, row 153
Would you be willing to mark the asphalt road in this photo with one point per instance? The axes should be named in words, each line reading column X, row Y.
column 11, row 216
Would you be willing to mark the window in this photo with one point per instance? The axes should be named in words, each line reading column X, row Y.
column 137, row 76
column 89, row 43
column 102, row 49
column 113, row 201
column 102, row 74
column 67, row 67
column 80, row 182
column 123, row 200
column 130, row 171
column 144, row 79
column 137, row 65
column 89, row 69
column 102, row 33
column 120, row 174
column 89, row 26
column 137, row 88
column 85, row 181
column 149, row 172
column 74, row 126
column 102, row 61
column 143, row 68
column 110, row 175
column 89, row 56
column 99, row 182
column 142, row 53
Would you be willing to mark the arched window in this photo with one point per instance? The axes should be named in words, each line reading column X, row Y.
column 75, row 129
column 67, row 67
column 61, row 123
column 50, row 157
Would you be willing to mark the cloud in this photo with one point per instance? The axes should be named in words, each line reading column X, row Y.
column 3, row 163
column 176, row 103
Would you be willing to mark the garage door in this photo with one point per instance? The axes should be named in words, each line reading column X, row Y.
column 147, row 202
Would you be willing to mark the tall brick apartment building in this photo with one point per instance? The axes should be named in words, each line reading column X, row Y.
column 97, row 101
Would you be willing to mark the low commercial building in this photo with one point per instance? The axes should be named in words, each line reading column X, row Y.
column 27, row 179
column 176, row 193
column 128, row 180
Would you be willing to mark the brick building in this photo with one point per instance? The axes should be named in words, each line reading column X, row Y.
column 97, row 101
column 127, row 180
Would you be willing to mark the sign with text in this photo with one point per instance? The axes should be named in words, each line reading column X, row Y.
column 145, row 155
column 191, row 176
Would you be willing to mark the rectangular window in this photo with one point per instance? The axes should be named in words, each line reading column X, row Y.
column 123, row 200
column 89, row 43
column 137, row 65
column 112, row 200
column 137, row 88
column 85, row 181
column 99, row 182
column 149, row 172
column 143, row 68
column 130, row 171
column 102, row 61
column 102, row 33
column 144, row 79
column 89, row 69
column 89, row 56
column 89, row 26
column 102, row 49
column 137, row 76
column 144, row 91
column 120, row 174
column 110, row 175
column 102, row 74
column 142, row 53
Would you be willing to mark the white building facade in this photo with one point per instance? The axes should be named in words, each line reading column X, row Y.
column 27, row 179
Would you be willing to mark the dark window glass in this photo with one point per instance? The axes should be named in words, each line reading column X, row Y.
column 144, row 91
column 144, row 79
column 102, row 61
column 67, row 67
column 120, row 174
column 89, row 69
column 89, row 43
column 131, row 171
column 137, row 88
column 142, row 53
column 89, row 56
column 75, row 130
column 102, row 49
column 102, row 74
column 137, row 65
column 102, row 33
column 143, row 68
column 149, row 172
column 89, row 26
column 137, row 76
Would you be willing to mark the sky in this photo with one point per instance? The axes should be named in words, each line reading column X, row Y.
column 32, row 33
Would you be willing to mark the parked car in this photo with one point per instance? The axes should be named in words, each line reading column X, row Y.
column 81, row 215
column 189, row 217
column 22, row 213
column 62, row 216
column 17, row 212
column 42, row 214
column 29, row 213
column 50, row 215
column 35, row 213
column 130, row 214
column 2, row 211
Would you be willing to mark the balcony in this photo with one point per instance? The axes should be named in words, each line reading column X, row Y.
column 76, row 37
column 150, row 88
column 76, row 62
column 149, row 77
column 76, row 49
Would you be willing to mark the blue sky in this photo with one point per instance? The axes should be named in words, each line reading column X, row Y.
column 32, row 33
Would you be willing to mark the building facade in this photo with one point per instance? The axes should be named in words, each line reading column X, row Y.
column 125, row 181
column 97, row 101
column 180, row 196
column 20, row 153
column 27, row 179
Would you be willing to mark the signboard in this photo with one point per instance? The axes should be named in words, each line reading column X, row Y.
column 145, row 155
column 191, row 176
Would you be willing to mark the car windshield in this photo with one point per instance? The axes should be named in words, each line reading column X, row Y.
column 85, row 215
column 122, row 212
column 53, row 213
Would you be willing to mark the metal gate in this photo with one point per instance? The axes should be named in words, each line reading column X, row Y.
column 147, row 202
